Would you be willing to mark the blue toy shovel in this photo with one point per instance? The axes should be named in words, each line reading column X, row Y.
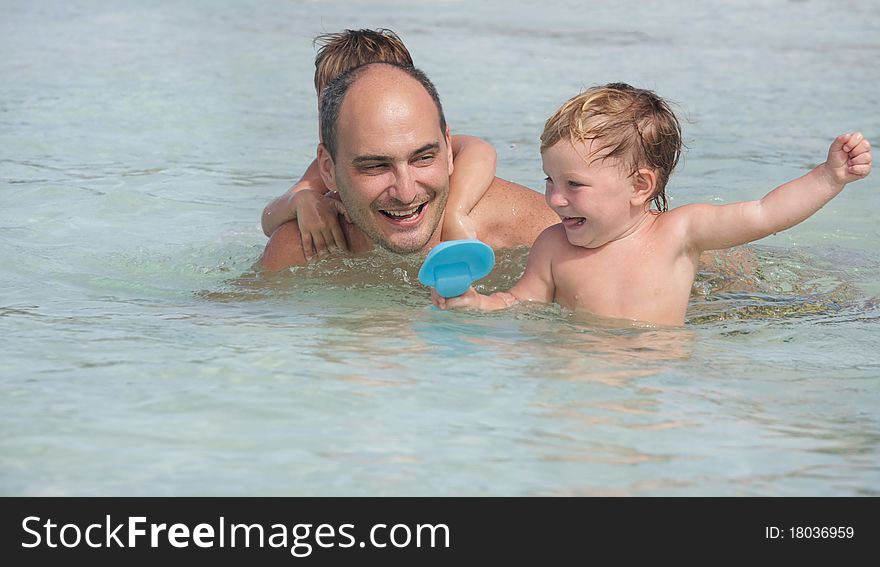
column 451, row 267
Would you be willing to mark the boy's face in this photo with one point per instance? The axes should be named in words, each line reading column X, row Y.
column 593, row 198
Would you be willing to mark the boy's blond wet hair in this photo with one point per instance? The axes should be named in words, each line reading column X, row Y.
column 633, row 125
column 348, row 49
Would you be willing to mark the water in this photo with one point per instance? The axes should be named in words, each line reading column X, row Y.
column 141, row 356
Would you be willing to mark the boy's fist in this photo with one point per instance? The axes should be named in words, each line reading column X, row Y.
column 849, row 158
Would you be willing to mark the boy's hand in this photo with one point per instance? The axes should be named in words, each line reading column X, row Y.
column 468, row 300
column 317, row 216
column 849, row 158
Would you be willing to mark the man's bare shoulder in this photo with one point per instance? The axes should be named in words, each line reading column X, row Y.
column 284, row 249
column 511, row 215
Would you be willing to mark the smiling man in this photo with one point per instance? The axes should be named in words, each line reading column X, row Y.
column 386, row 151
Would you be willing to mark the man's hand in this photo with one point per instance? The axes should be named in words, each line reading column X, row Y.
column 317, row 216
column 849, row 159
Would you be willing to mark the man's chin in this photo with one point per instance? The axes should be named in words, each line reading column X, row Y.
column 408, row 240
column 404, row 246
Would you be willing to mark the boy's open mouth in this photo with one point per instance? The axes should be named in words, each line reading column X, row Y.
column 573, row 221
column 404, row 216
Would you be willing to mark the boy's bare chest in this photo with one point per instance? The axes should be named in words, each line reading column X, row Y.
column 628, row 281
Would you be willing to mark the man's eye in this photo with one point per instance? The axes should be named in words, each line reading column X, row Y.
column 372, row 168
column 425, row 159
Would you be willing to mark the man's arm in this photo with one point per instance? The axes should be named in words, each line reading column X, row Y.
column 511, row 215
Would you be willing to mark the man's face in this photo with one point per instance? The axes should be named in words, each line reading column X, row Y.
column 392, row 161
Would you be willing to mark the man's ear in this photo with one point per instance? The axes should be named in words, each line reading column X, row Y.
column 644, row 185
column 449, row 150
column 325, row 166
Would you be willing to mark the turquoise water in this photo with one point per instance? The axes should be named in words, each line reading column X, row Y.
column 141, row 356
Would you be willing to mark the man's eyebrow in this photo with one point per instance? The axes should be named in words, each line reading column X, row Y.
column 427, row 148
column 359, row 160
column 368, row 158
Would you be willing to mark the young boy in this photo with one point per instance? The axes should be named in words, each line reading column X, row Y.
column 608, row 154
column 308, row 201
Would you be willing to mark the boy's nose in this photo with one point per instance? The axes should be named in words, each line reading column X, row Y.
column 556, row 199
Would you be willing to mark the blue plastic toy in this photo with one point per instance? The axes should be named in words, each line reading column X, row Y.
column 451, row 267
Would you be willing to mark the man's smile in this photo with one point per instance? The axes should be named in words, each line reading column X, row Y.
column 405, row 217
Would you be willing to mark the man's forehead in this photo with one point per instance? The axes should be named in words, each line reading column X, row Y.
column 380, row 113
column 362, row 144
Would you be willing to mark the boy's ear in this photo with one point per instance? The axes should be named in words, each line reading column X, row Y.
column 449, row 150
column 644, row 185
column 325, row 166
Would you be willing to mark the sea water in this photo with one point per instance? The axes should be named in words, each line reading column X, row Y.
column 141, row 355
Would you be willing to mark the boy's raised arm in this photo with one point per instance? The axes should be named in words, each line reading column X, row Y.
column 474, row 170
column 281, row 209
column 711, row 227
column 317, row 216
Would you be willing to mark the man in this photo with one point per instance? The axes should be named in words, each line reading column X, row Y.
column 386, row 151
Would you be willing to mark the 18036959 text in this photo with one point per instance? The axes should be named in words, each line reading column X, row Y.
column 809, row 532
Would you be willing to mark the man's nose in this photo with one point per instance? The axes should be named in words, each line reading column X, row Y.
column 404, row 189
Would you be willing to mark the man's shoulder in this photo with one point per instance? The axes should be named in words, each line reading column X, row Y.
column 501, row 188
column 511, row 215
column 284, row 248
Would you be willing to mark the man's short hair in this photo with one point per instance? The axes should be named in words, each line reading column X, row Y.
column 634, row 125
column 348, row 49
column 335, row 91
